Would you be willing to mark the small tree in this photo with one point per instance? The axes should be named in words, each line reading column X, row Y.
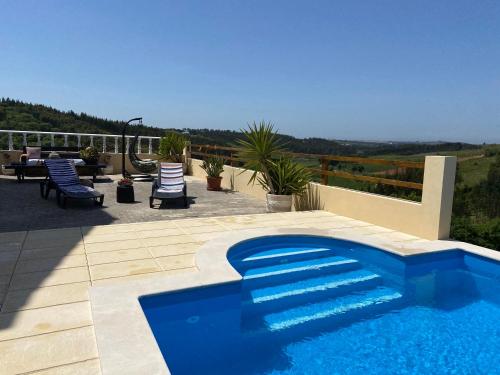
column 171, row 147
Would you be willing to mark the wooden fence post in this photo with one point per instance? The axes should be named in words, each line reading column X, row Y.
column 324, row 168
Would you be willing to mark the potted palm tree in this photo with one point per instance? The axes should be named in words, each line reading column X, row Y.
column 172, row 147
column 213, row 166
column 263, row 153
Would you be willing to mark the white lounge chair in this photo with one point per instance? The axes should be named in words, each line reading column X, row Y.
column 170, row 184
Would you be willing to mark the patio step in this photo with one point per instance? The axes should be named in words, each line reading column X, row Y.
column 325, row 314
column 308, row 290
column 285, row 272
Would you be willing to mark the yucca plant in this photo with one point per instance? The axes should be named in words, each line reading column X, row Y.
column 286, row 177
column 171, row 147
column 256, row 151
column 213, row 166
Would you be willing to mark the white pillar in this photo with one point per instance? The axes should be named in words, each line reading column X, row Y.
column 116, row 145
column 127, row 144
column 79, row 140
column 11, row 143
column 52, row 142
column 150, row 146
column 103, row 144
column 91, row 141
column 65, row 140
column 437, row 195
column 139, row 145
column 38, row 140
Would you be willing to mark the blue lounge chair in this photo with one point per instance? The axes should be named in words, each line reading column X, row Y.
column 62, row 177
column 170, row 184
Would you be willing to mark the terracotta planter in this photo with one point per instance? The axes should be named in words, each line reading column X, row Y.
column 213, row 183
column 279, row 203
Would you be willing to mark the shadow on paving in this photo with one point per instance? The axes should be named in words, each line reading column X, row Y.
column 28, row 260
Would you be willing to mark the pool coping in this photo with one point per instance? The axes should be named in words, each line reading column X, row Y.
column 124, row 338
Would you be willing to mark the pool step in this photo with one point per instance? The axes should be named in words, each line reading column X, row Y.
column 285, row 272
column 308, row 290
column 326, row 314
column 280, row 256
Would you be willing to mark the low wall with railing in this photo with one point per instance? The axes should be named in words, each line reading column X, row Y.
column 430, row 218
column 110, row 143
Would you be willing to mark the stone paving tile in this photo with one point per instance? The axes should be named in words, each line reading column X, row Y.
column 159, row 232
column 176, row 249
column 48, row 264
column 117, row 256
column 125, row 236
column 7, row 266
column 90, row 367
column 133, row 267
column 44, row 320
column 159, row 241
column 205, row 229
column 12, row 237
column 47, row 296
column 50, row 243
column 115, row 280
column 111, row 246
column 49, row 278
column 176, row 261
column 48, row 350
column 52, row 252
column 10, row 246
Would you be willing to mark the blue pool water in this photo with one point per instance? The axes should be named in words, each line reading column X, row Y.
column 313, row 305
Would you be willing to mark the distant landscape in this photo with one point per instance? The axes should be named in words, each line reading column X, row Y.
column 476, row 215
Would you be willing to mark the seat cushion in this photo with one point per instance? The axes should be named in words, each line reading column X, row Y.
column 34, row 152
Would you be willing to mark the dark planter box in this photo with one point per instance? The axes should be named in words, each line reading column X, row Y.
column 125, row 194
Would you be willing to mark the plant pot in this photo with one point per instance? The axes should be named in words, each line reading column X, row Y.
column 125, row 194
column 279, row 203
column 213, row 183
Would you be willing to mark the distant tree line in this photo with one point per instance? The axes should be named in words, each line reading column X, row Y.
column 18, row 115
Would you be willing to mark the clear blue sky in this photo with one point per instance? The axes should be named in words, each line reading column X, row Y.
column 400, row 70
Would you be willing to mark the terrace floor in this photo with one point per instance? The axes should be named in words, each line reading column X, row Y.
column 22, row 208
column 46, row 324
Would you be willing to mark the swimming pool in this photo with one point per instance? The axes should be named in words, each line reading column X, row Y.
column 317, row 305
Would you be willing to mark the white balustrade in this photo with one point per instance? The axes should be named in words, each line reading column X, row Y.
column 11, row 144
column 66, row 136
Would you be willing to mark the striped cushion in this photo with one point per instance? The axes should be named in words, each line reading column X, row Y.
column 170, row 177
column 62, row 172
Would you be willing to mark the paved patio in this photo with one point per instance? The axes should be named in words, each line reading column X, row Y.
column 46, row 325
column 22, row 208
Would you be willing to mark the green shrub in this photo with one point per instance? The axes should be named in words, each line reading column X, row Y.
column 213, row 166
column 171, row 147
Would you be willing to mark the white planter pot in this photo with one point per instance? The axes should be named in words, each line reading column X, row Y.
column 279, row 203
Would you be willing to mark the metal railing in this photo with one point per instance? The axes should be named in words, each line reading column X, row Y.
column 80, row 138
column 324, row 171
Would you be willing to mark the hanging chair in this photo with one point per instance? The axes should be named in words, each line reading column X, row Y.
column 146, row 166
